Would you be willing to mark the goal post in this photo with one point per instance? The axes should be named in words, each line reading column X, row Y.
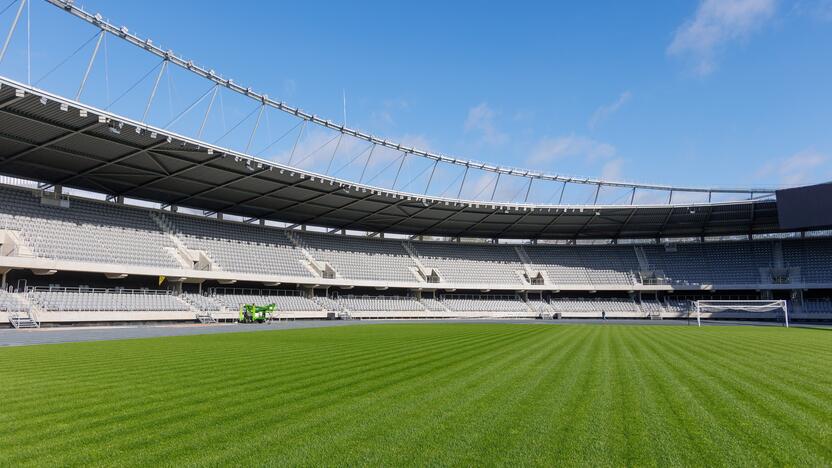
column 765, row 309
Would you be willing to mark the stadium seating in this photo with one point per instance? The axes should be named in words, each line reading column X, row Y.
column 588, row 265
column 497, row 306
column 817, row 306
column 679, row 308
column 201, row 302
column 108, row 233
column 813, row 257
column 233, row 302
column 470, row 264
column 92, row 231
column 595, row 308
column 86, row 231
column 712, row 263
column 11, row 303
column 80, row 300
column 239, row 247
column 361, row 258
column 652, row 307
column 434, row 306
column 381, row 304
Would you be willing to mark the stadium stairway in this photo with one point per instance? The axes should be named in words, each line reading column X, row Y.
column 23, row 320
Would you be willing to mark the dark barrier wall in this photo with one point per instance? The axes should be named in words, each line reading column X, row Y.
column 805, row 207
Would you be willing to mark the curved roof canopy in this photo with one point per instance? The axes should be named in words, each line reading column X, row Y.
column 47, row 138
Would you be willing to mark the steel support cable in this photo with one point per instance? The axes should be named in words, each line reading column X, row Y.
column 416, row 177
column 496, row 178
column 555, row 194
column 5, row 8
column 390, row 164
column 190, row 107
column 352, row 160
column 518, row 192
column 67, row 59
column 453, row 182
column 237, row 125
column 316, row 150
column 332, row 159
column 133, row 86
column 284, row 135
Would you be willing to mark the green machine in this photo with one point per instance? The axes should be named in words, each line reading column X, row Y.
column 250, row 313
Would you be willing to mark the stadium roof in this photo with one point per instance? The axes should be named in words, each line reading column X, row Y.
column 50, row 139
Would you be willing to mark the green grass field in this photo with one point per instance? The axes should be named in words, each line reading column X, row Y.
column 425, row 394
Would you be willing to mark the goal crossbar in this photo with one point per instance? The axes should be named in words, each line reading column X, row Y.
column 752, row 306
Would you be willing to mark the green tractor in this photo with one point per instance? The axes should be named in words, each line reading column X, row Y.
column 250, row 313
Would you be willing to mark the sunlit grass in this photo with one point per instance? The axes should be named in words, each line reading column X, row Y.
column 425, row 394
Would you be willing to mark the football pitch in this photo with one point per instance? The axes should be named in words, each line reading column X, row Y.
column 425, row 394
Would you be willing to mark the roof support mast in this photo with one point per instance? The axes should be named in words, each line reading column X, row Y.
column 89, row 66
column 208, row 111
column 367, row 163
column 254, row 130
column 496, row 183
column 462, row 184
column 153, row 92
column 430, row 179
column 396, row 179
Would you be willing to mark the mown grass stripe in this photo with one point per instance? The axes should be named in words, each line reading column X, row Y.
column 425, row 394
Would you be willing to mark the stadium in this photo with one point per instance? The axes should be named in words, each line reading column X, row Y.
column 557, row 324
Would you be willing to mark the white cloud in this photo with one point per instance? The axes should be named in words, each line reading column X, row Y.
column 481, row 119
column 604, row 112
column 550, row 149
column 805, row 167
column 717, row 22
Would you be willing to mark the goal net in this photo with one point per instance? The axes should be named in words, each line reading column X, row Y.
column 763, row 310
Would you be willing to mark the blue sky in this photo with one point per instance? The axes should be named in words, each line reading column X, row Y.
column 730, row 92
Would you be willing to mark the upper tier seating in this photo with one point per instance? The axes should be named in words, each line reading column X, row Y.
column 110, row 233
column 470, row 263
column 109, row 300
column 712, row 263
column 361, row 258
column 608, row 265
column 86, row 231
column 241, row 247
